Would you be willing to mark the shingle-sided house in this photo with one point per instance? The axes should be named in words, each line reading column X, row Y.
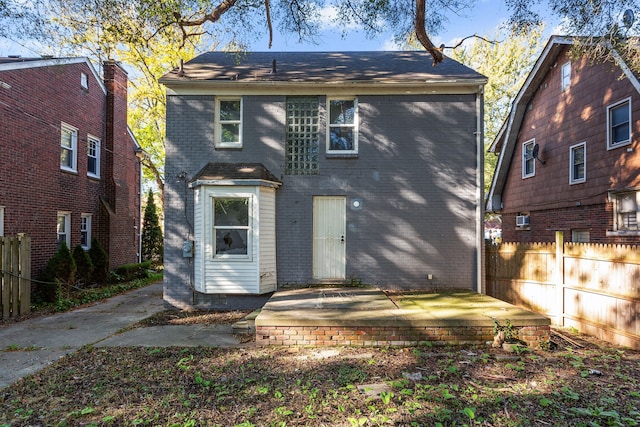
column 297, row 168
column 569, row 153
column 68, row 169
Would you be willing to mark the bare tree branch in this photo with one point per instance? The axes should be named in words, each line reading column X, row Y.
column 268, row 12
column 468, row 37
column 421, row 33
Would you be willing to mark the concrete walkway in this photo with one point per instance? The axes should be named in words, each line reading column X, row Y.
column 30, row 345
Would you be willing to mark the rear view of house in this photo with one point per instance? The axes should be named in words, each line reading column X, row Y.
column 569, row 152
column 68, row 169
column 286, row 169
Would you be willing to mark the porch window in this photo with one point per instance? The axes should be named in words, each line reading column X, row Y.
column 68, row 148
column 577, row 173
column 231, row 226
column 228, row 124
column 342, row 132
column 302, row 135
column 619, row 124
column 528, row 161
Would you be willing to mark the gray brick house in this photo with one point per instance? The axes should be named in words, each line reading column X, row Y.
column 289, row 168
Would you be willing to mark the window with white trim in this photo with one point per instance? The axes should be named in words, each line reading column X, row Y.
column 85, row 231
column 228, row 123
column 93, row 156
column 619, row 124
column 84, row 81
column 528, row 161
column 342, row 126
column 565, row 76
column 64, row 228
column 577, row 163
column 68, row 148
column 1, row 221
column 231, row 226
column 625, row 208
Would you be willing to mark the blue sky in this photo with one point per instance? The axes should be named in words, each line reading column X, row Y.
column 483, row 19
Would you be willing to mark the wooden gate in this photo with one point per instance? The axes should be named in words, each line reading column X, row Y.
column 15, row 276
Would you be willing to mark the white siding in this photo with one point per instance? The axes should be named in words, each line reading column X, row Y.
column 267, row 240
column 255, row 274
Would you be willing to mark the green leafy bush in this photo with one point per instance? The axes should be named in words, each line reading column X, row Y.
column 60, row 271
column 129, row 272
column 100, row 261
column 84, row 265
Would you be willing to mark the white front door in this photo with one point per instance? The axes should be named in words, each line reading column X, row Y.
column 329, row 226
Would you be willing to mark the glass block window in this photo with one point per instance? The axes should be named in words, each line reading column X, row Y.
column 302, row 135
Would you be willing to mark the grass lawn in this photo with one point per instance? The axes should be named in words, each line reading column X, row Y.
column 580, row 382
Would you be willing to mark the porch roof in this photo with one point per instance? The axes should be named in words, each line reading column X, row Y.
column 235, row 173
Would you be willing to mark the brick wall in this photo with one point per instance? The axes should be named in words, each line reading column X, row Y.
column 370, row 336
column 33, row 188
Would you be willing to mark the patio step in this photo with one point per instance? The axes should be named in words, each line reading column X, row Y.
column 246, row 326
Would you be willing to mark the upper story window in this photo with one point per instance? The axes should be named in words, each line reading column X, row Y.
column 342, row 132
column 619, row 124
column 625, row 208
column 69, row 148
column 85, row 231
column 64, row 228
column 84, row 81
column 577, row 159
column 302, row 135
column 93, row 156
column 528, row 161
column 565, row 76
column 231, row 226
column 228, row 123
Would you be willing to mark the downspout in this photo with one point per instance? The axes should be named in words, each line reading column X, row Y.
column 480, row 279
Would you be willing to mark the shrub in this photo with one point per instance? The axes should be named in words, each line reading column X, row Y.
column 100, row 261
column 60, row 270
column 152, row 241
column 129, row 272
column 84, row 265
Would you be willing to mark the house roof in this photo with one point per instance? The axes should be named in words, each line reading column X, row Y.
column 234, row 173
column 505, row 142
column 321, row 67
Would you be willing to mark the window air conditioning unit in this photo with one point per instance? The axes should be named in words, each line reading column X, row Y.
column 522, row 220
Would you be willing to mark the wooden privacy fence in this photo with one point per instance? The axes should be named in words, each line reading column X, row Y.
column 592, row 287
column 15, row 276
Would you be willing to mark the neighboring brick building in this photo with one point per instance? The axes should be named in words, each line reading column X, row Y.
column 68, row 169
column 569, row 153
column 289, row 168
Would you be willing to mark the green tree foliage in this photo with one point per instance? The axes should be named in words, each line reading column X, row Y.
column 61, row 267
column 100, row 260
column 152, row 240
column 506, row 61
column 83, row 264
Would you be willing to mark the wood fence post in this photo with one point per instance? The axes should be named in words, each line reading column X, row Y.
column 25, row 273
column 559, row 279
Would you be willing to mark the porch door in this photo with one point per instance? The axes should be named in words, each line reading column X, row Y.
column 329, row 226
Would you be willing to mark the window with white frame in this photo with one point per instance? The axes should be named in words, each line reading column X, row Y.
column 93, row 156
column 577, row 159
column 565, row 76
column 84, row 81
column 342, row 132
column 528, row 161
column 1, row 221
column 228, row 123
column 231, row 226
column 64, row 228
column 85, row 231
column 625, row 207
column 619, row 124
column 68, row 148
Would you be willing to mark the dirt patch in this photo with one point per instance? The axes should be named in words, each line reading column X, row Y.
column 580, row 383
